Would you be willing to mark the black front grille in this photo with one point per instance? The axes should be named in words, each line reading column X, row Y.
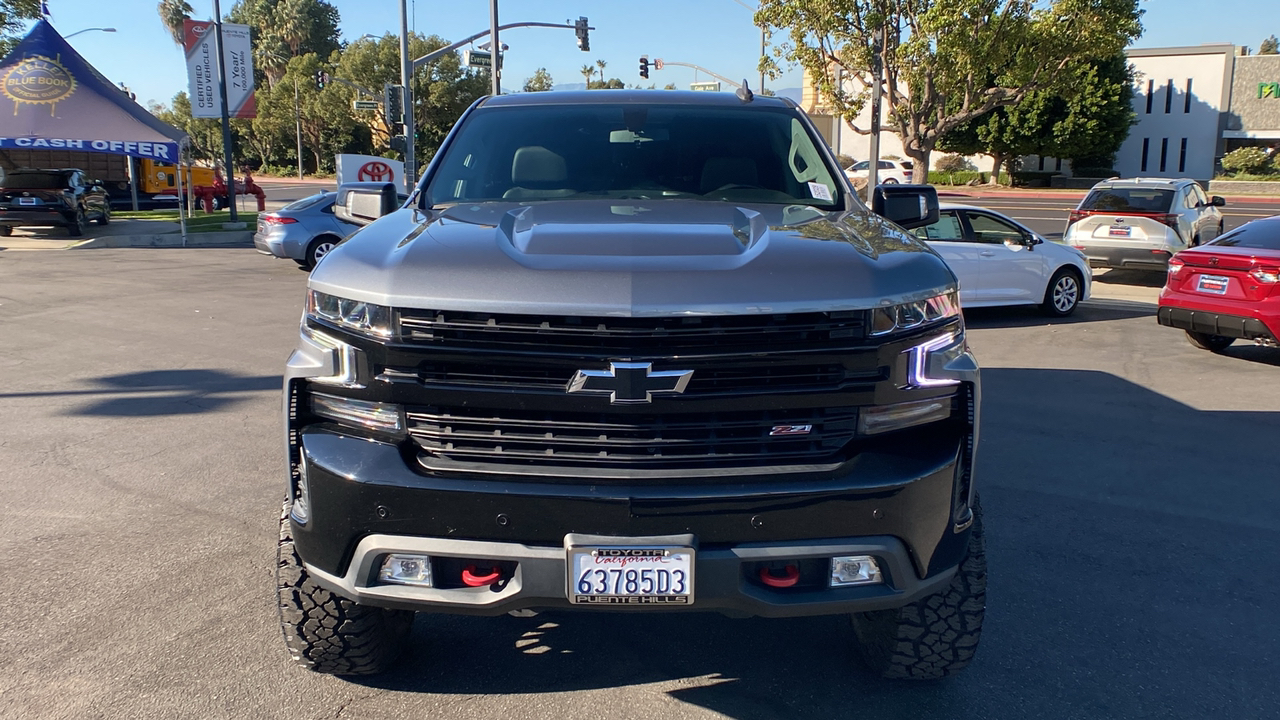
column 711, row 379
column 633, row 337
column 614, row 440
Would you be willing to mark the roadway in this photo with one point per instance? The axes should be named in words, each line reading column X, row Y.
column 1131, row 531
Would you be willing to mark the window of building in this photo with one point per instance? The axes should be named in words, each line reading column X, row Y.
column 1164, row 153
column 1146, row 148
column 1182, row 157
column 1168, row 96
column 1186, row 101
column 1151, row 91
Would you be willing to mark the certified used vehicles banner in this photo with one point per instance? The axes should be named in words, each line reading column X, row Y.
column 202, row 69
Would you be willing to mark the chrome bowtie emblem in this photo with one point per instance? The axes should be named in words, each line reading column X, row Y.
column 629, row 382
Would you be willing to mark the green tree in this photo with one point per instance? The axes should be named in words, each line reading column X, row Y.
column 945, row 62
column 1084, row 116
column 601, row 65
column 1270, row 46
column 205, row 133
column 588, row 72
column 540, row 82
column 173, row 13
column 13, row 17
column 287, row 28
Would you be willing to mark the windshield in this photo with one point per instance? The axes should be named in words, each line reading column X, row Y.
column 572, row 152
column 1257, row 235
column 33, row 181
column 1132, row 200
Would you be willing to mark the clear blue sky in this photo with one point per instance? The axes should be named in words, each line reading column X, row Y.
column 717, row 34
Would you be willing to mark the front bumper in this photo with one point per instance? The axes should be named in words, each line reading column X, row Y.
column 896, row 505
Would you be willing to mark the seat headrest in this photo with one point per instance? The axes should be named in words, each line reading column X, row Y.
column 721, row 171
column 535, row 165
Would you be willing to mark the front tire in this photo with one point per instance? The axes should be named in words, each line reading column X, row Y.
column 327, row 633
column 1212, row 343
column 1062, row 296
column 6, row 231
column 937, row 635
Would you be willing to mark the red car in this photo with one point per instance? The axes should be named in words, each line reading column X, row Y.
column 1227, row 289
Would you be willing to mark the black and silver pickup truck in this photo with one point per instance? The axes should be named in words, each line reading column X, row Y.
column 636, row 352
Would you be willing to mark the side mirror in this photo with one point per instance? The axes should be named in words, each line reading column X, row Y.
column 910, row 206
column 1217, row 201
column 362, row 203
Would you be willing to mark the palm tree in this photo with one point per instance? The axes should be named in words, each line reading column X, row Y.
column 172, row 14
column 600, row 64
column 587, row 73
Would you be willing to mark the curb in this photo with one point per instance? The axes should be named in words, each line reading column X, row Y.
column 239, row 238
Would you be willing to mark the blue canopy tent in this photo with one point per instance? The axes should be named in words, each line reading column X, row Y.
column 59, row 101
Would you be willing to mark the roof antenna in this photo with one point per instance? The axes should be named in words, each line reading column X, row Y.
column 744, row 93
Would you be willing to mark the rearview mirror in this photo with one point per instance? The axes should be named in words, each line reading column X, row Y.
column 910, row 206
column 363, row 202
column 1217, row 201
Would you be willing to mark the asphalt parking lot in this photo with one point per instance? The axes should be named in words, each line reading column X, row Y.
column 1128, row 480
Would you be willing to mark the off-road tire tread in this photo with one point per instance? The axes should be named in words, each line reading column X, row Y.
column 936, row 636
column 327, row 633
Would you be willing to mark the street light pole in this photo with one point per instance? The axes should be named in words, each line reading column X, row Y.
column 67, row 37
column 406, row 79
column 495, row 65
column 297, row 119
column 226, row 115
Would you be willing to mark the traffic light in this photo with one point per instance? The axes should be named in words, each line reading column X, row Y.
column 322, row 79
column 393, row 103
column 581, row 28
column 644, row 67
column 399, row 144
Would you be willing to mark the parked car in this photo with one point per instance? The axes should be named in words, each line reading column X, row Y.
column 1142, row 222
column 639, row 351
column 51, row 198
column 304, row 230
column 1227, row 289
column 999, row 261
column 890, row 172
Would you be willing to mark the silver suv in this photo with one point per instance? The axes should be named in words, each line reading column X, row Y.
column 1142, row 222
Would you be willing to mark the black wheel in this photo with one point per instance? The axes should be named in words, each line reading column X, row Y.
column 77, row 226
column 6, row 231
column 1212, row 343
column 1063, row 293
column 1195, row 241
column 937, row 635
column 889, row 181
column 105, row 217
column 327, row 633
column 318, row 248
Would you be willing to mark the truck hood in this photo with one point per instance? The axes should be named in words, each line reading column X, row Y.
column 632, row 258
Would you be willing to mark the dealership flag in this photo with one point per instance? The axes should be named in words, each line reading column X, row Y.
column 202, row 69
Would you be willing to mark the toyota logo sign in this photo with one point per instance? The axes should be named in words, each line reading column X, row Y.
column 375, row 172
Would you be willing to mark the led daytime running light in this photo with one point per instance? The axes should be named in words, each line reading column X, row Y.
column 918, row 361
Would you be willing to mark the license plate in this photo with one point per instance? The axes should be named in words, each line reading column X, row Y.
column 28, row 201
column 1119, row 231
column 631, row 575
column 1215, row 284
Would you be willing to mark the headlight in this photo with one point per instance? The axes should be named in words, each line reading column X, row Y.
column 908, row 316
column 354, row 315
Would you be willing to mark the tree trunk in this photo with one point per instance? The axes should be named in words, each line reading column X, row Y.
column 998, row 159
column 920, row 164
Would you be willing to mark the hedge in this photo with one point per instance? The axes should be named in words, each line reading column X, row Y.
column 939, row 177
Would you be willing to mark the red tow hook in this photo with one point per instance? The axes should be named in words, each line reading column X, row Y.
column 790, row 576
column 471, row 579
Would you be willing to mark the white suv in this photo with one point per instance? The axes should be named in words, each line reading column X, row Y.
column 1142, row 222
column 889, row 172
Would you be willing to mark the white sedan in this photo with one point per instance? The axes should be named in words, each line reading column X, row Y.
column 1001, row 262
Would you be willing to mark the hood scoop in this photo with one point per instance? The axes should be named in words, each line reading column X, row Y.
column 635, row 233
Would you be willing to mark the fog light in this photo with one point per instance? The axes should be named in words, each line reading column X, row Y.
column 854, row 570
column 884, row 418
column 406, row 570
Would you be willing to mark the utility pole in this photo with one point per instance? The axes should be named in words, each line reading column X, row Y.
column 762, row 38
column 495, row 71
column 226, row 116
column 873, row 162
column 406, row 77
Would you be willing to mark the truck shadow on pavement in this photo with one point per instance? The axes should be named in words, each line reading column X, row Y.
column 162, row 392
column 1132, row 574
